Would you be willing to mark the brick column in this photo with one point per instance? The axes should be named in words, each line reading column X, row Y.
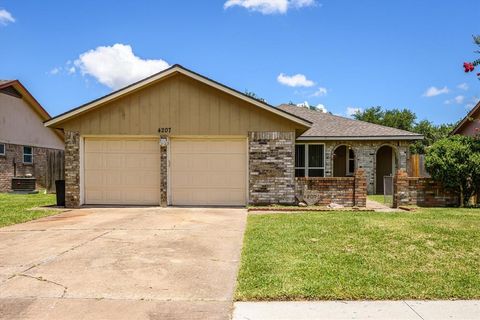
column 272, row 167
column 163, row 174
column 360, row 191
column 400, row 188
column 72, row 169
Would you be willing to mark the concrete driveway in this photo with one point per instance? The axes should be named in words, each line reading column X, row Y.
column 122, row 263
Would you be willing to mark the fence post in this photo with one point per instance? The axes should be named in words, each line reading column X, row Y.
column 400, row 188
column 360, row 188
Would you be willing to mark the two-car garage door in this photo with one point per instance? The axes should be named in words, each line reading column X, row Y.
column 202, row 171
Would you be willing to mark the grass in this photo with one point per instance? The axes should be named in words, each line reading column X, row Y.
column 380, row 198
column 16, row 208
column 428, row 254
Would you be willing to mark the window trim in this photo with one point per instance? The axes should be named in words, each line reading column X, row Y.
column 348, row 159
column 4, row 149
column 27, row 154
column 306, row 167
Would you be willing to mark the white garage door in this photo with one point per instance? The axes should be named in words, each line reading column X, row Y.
column 122, row 171
column 208, row 172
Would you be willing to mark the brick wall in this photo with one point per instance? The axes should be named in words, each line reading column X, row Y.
column 14, row 154
column 72, row 169
column 422, row 192
column 346, row 191
column 271, row 165
column 365, row 156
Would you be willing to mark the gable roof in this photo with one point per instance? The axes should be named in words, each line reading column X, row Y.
column 467, row 119
column 27, row 96
column 162, row 75
column 327, row 126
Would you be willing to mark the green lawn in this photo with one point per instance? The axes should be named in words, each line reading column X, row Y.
column 427, row 254
column 15, row 208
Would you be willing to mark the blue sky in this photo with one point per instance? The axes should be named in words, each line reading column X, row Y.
column 345, row 54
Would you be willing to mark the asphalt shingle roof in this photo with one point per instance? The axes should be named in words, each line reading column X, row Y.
column 326, row 125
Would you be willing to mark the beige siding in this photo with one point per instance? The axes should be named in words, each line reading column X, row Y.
column 183, row 104
column 20, row 124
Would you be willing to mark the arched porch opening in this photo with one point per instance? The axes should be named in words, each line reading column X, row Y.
column 343, row 161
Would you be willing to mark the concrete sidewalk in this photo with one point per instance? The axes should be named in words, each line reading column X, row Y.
column 334, row 310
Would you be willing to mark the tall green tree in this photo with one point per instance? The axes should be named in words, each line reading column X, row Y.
column 455, row 161
column 406, row 120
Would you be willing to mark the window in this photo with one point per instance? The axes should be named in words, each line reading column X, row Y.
column 27, row 155
column 350, row 162
column 309, row 160
column 2, row 149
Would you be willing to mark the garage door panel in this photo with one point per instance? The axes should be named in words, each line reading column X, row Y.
column 122, row 171
column 208, row 172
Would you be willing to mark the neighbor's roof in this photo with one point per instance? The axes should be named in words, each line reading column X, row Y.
column 327, row 126
column 164, row 74
column 468, row 118
column 26, row 95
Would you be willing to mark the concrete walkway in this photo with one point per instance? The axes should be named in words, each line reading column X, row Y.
column 380, row 207
column 336, row 310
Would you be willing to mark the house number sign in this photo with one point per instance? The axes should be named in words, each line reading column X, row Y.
column 164, row 130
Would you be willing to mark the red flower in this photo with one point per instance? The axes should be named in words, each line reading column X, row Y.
column 468, row 66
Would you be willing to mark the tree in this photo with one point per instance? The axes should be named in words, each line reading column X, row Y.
column 470, row 66
column 254, row 96
column 395, row 118
column 431, row 133
column 455, row 161
column 405, row 119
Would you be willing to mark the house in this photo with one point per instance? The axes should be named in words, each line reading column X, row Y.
column 470, row 125
column 346, row 144
column 179, row 138
column 24, row 140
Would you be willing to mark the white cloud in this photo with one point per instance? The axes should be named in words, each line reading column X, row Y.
column 458, row 100
column 116, row 66
column 55, row 71
column 319, row 107
column 297, row 80
column 463, row 86
column 6, row 17
column 321, row 91
column 71, row 70
column 269, row 6
column 434, row 91
column 351, row 111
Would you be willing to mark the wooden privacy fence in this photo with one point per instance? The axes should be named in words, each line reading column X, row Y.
column 416, row 166
column 55, row 168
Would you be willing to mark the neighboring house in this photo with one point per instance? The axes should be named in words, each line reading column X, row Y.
column 346, row 144
column 470, row 125
column 179, row 138
column 24, row 140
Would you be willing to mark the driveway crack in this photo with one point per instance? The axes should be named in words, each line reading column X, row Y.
column 46, row 280
column 64, row 252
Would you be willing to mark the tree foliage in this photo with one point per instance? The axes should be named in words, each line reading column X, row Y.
column 470, row 66
column 455, row 161
column 405, row 119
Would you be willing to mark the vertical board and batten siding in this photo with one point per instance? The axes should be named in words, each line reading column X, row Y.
column 183, row 104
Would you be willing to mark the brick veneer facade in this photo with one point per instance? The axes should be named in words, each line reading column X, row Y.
column 271, row 166
column 422, row 192
column 346, row 191
column 72, row 169
column 365, row 156
column 163, row 175
column 14, row 155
